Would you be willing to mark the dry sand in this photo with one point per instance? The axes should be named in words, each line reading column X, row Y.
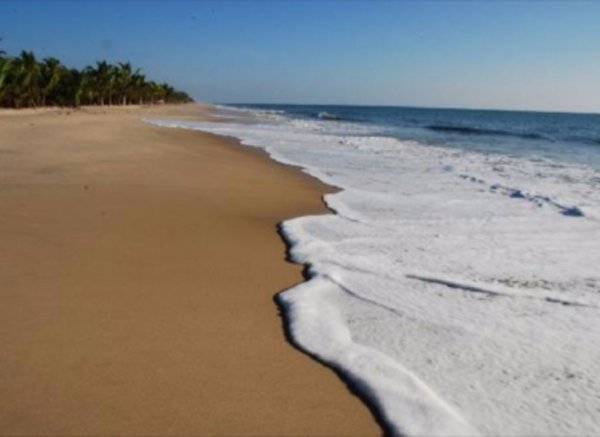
column 138, row 267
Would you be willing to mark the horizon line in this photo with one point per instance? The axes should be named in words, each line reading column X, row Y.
column 409, row 106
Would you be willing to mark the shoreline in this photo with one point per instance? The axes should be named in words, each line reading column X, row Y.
column 94, row 344
column 398, row 295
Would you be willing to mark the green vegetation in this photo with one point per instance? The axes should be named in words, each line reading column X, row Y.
column 26, row 82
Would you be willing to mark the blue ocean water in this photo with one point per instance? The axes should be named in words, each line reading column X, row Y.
column 563, row 137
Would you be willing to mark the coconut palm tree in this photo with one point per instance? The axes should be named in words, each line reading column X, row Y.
column 15, row 92
column 138, row 82
column 167, row 91
column 26, row 82
column 83, row 83
column 89, row 87
column 29, row 78
column 6, row 71
column 51, row 73
column 124, row 74
column 102, row 79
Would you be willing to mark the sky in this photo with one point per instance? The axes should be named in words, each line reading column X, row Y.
column 542, row 55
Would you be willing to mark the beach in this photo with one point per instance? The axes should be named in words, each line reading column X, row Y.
column 138, row 269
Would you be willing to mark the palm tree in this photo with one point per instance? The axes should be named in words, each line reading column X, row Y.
column 158, row 93
column 89, row 87
column 14, row 92
column 123, row 76
column 6, row 71
column 26, row 82
column 29, row 78
column 138, row 83
column 51, row 73
column 167, row 91
column 102, row 79
column 112, row 83
column 82, row 87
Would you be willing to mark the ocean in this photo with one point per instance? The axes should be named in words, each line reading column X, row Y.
column 456, row 282
column 570, row 137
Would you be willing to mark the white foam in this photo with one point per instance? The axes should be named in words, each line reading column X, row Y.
column 451, row 286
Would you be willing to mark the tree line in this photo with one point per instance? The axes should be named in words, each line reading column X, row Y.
column 26, row 82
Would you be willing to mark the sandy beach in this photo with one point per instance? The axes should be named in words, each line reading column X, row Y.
column 138, row 267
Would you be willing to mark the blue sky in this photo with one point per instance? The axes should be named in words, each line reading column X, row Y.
column 502, row 54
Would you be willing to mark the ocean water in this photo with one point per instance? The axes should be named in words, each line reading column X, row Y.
column 457, row 279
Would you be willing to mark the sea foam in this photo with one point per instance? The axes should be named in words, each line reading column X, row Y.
column 459, row 291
